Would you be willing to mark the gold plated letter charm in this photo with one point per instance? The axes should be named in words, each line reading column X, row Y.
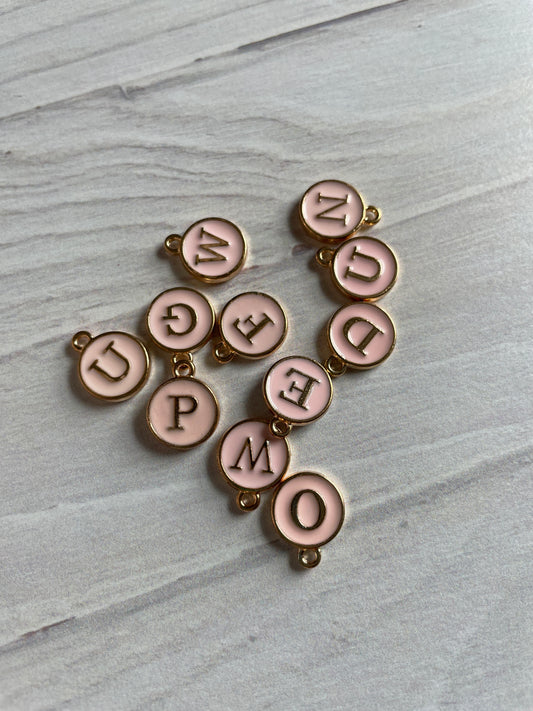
column 332, row 210
column 364, row 268
column 252, row 460
column 112, row 366
column 212, row 250
column 307, row 511
column 298, row 390
column 252, row 325
column 361, row 336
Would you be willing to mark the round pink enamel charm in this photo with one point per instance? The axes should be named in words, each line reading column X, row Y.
column 307, row 511
column 182, row 412
column 361, row 335
column 212, row 249
column 252, row 459
column 112, row 366
column 180, row 320
column 253, row 325
column 297, row 389
column 332, row 210
column 364, row 268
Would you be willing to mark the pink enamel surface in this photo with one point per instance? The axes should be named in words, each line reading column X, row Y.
column 117, row 354
column 197, row 426
column 351, row 262
column 344, row 334
column 338, row 222
column 187, row 336
column 234, row 452
column 251, row 310
column 205, row 232
column 307, row 510
column 282, row 387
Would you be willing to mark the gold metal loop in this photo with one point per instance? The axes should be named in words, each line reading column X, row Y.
column 324, row 256
column 80, row 340
column 372, row 216
column 173, row 244
column 279, row 427
column 309, row 557
column 222, row 352
column 248, row 500
column 182, row 365
column 335, row 366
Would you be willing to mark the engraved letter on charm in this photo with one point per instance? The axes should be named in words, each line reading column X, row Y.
column 338, row 202
column 374, row 330
column 255, row 327
column 178, row 411
column 265, row 447
column 171, row 317
column 320, row 514
column 209, row 248
column 305, row 391
column 350, row 273
column 114, row 378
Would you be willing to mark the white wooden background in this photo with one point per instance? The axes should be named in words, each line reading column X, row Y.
column 127, row 579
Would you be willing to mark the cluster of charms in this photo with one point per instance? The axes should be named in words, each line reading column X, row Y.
column 253, row 455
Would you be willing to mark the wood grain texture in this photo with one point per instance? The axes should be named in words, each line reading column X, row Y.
column 128, row 580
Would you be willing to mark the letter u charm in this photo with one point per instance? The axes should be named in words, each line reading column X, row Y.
column 112, row 366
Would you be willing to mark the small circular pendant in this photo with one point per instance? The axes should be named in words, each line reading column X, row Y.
column 333, row 210
column 362, row 335
column 252, row 325
column 180, row 320
column 308, row 512
column 112, row 366
column 364, row 268
column 252, row 460
column 183, row 412
column 212, row 250
column 297, row 389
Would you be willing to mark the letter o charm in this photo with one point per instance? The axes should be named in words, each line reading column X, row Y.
column 307, row 511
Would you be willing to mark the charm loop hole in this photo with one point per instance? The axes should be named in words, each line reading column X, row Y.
column 222, row 352
column 309, row 557
column 173, row 244
column 372, row 216
column 80, row 340
column 279, row 427
column 182, row 365
column 335, row 366
column 324, row 256
column 248, row 500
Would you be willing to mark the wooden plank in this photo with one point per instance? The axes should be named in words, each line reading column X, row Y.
column 51, row 51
